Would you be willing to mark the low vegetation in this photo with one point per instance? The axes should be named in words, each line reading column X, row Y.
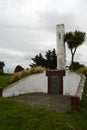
column 21, row 74
column 17, row 116
column 82, row 70
column 5, row 80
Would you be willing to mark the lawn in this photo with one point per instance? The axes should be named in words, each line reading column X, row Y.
column 17, row 116
column 5, row 80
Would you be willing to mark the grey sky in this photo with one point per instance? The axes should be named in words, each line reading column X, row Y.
column 28, row 27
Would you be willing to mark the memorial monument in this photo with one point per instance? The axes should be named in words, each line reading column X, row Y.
column 55, row 77
column 60, row 32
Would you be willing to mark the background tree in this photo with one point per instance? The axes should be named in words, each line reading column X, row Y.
column 18, row 68
column 54, row 59
column 74, row 40
column 2, row 64
column 38, row 61
column 51, row 59
column 48, row 61
column 76, row 66
column 48, row 57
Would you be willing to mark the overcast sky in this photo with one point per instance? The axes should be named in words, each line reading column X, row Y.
column 28, row 27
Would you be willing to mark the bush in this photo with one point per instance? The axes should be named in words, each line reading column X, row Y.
column 75, row 66
column 37, row 69
column 83, row 71
column 14, row 78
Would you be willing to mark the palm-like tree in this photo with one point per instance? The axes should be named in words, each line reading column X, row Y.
column 74, row 40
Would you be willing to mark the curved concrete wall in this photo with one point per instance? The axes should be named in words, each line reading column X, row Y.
column 38, row 83
column 80, row 89
column 29, row 84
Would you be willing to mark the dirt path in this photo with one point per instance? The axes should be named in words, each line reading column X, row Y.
column 55, row 102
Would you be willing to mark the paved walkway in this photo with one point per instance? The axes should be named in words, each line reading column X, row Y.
column 54, row 102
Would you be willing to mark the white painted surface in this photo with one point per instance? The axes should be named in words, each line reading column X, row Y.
column 71, row 83
column 80, row 89
column 38, row 83
column 60, row 31
column 29, row 84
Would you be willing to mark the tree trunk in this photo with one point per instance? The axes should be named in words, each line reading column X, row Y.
column 72, row 61
column 73, row 53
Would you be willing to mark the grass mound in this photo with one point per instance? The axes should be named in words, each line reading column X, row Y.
column 5, row 80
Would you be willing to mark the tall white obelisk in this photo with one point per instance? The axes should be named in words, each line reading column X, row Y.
column 55, row 77
column 61, row 62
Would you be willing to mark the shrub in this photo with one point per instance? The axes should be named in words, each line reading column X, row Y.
column 83, row 71
column 14, row 78
column 37, row 69
column 75, row 66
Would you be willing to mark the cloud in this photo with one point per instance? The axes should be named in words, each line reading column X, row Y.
column 50, row 18
column 29, row 27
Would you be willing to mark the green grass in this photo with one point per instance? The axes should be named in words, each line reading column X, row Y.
column 5, row 80
column 17, row 116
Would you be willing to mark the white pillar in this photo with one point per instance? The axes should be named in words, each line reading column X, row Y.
column 60, row 31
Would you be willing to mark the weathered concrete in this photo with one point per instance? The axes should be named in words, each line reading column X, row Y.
column 49, row 101
column 80, row 88
column 60, row 31
column 71, row 83
column 29, row 84
column 38, row 83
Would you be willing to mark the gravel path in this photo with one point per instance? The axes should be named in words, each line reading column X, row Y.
column 54, row 102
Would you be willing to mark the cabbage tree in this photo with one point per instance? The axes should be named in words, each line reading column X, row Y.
column 74, row 40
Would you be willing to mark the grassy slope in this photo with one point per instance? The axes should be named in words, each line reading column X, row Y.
column 5, row 80
column 16, row 116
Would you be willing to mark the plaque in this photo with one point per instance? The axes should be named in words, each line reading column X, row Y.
column 55, row 85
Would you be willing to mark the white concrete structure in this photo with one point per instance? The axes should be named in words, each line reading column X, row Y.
column 29, row 84
column 38, row 83
column 71, row 83
column 60, row 31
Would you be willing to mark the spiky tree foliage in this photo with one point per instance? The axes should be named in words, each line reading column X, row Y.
column 74, row 40
column 38, row 61
column 50, row 60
